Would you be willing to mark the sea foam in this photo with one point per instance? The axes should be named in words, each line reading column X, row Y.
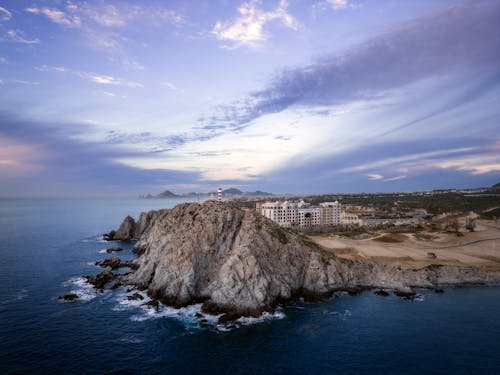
column 191, row 316
column 81, row 288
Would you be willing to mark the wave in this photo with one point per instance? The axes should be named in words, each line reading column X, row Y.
column 17, row 296
column 191, row 316
column 81, row 288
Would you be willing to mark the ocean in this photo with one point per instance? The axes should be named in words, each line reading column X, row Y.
column 47, row 245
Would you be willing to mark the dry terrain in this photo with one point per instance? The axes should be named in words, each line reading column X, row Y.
column 411, row 250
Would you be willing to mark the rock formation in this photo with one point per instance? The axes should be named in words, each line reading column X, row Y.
column 237, row 262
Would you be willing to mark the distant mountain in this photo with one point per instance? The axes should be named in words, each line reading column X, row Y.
column 231, row 192
column 167, row 194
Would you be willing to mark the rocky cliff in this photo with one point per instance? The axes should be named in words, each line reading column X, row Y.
column 237, row 261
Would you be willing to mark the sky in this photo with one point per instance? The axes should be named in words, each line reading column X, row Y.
column 300, row 96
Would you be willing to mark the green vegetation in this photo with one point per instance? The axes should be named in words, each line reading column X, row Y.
column 279, row 234
column 491, row 214
column 434, row 204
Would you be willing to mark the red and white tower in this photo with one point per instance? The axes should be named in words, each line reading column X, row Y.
column 219, row 195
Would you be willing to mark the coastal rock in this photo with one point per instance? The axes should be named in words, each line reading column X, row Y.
column 113, row 249
column 381, row 292
column 126, row 231
column 101, row 279
column 114, row 263
column 155, row 305
column 135, row 297
column 68, row 297
column 109, row 236
column 236, row 261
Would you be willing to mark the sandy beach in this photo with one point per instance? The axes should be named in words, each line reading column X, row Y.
column 480, row 248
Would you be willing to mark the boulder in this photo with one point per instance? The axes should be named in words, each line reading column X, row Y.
column 114, row 263
column 113, row 249
column 101, row 279
column 126, row 231
column 381, row 292
column 68, row 297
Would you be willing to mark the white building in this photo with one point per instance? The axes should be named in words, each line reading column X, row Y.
column 330, row 213
column 350, row 218
column 301, row 214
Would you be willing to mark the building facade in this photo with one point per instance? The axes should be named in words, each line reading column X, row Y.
column 301, row 214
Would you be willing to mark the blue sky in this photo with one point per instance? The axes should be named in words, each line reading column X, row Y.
column 298, row 96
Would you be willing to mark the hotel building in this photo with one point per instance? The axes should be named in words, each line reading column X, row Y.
column 301, row 214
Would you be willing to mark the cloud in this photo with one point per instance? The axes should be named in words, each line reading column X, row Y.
column 170, row 86
column 379, row 177
column 3, row 60
column 92, row 77
column 23, row 82
column 108, row 16
column 374, row 176
column 337, row 4
column 83, row 14
column 397, row 178
column 248, row 28
column 38, row 158
column 461, row 38
column 17, row 36
column 429, row 171
column 57, row 16
column 5, row 15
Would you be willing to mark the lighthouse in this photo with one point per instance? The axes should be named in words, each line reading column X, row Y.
column 219, row 195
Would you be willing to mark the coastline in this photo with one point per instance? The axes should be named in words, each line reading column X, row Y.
column 238, row 263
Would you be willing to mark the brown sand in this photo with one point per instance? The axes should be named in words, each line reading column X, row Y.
column 413, row 250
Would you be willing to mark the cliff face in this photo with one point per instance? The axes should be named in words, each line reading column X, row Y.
column 236, row 260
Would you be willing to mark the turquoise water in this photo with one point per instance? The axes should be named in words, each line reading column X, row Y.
column 46, row 245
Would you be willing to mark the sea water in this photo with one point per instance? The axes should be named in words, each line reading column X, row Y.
column 47, row 245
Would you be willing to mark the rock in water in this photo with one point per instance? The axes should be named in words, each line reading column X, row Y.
column 237, row 261
column 114, row 249
column 68, row 297
column 126, row 231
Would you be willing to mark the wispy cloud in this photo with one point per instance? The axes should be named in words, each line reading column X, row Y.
column 337, row 4
column 462, row 37
column 397, row 178
column 17, row 36
column 375, row 176
column 83, row 14
column 57, row 16
column 24, row 82
column 107, row 15
column 5, row 15
column 170, row 86
column 473, row 164
column 3, row 60
column 248, row 28
column 48, row 156
column 407, row 159
column 102, row 24
column 90, row 76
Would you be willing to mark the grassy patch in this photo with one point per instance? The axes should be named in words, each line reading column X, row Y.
column 279, row 234
column 425, row 236
column 391, row 238
column 491, row 215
